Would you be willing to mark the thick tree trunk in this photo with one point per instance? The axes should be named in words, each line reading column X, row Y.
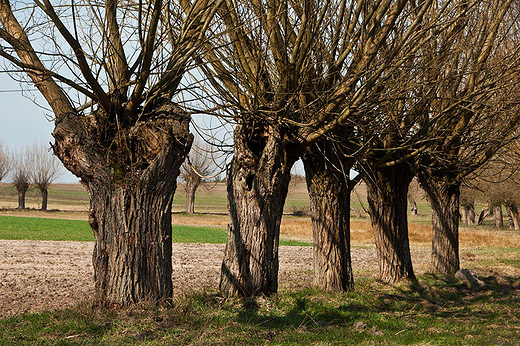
column 133, row 229
column 257, row 185
column 45, row 196
column 131, row 194
column 443, row 196
column 190, row 198
column 21, row 199
column 329, row 195
column 387, row 191
column 498, row 217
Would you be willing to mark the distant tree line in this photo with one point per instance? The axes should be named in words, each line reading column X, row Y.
column 33, row 166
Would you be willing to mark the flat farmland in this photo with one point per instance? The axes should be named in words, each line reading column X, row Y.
column 46, row 283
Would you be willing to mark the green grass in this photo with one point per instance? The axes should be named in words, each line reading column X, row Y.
column 31, row 228
column 434, row 312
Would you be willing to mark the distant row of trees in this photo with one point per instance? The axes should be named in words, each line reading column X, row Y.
column 33, row 166
column 495, row 185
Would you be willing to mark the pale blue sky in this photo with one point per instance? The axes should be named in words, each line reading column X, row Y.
column 22, row 122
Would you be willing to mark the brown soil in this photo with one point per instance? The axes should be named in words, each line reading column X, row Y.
column 48, row 275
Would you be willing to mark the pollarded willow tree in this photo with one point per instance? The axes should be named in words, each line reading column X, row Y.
column 477, row 106
column 404, row 112
column 109, row 71
column 289, row 74
column 375, row 146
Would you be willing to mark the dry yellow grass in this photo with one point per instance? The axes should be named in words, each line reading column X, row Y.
column 300, row 228
column 419, row 233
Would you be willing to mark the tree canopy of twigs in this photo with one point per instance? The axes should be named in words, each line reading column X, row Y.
column 289, row 73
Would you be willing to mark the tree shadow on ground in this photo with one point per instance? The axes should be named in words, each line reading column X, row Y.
column 433, row 296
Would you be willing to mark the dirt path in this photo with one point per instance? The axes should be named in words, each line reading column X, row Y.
column 47, row 275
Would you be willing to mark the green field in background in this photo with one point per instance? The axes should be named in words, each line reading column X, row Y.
column 32, row 228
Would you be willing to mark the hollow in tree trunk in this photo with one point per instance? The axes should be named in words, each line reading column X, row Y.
column 443, row 195
column 257, row 184
column 329, row 194
column 387, row 191
column 131, row 195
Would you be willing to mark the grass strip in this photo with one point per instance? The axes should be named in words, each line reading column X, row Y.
column 32, row 228
column 434, row 312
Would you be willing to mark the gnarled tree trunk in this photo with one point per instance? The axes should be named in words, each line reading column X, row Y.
column 257, row 185
column 443, row 196
column 387, row 191
column 130, row 198
column 329, row 194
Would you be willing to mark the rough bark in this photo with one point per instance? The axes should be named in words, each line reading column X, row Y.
column 498, row 217
column 257, row 185
column 131, row 194
column 387, row 191
column 444, row 196
column 329, row 194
